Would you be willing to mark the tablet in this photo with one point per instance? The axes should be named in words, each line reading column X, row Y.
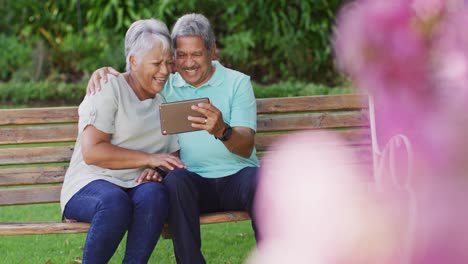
column 174, row 115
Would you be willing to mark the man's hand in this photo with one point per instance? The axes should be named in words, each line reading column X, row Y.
column 242, row 139
column 94, row 83
column 213, row 123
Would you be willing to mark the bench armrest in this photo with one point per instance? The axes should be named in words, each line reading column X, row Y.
column 393, row 167
column 396, row 153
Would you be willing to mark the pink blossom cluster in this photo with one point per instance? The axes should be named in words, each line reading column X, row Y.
column 412, row 57
column 313, row 207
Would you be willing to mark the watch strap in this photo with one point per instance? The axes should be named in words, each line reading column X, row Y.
column 226, row 134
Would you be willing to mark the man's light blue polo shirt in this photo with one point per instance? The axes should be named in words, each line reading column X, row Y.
column 231, row 92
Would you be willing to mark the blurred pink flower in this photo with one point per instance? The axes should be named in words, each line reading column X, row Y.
column 412, row 57
column 429, row 10
column 313, row 206
column 377, row 43
column 384, row 50
column 450, row 58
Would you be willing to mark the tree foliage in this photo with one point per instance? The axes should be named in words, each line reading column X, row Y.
column 270, row 40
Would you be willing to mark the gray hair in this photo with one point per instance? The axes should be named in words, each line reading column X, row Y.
column 144, row 35
column 194, row 25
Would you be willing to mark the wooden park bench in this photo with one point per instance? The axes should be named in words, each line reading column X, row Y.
column 36, row 145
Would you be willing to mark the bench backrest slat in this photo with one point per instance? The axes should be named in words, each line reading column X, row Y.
column 11, row 156
column 358, row 136
column 265, row 123
column 311, row 121
column 311, row 103
column 39, row 116
column 265, row 105
column 50, row 154
column 30, row 195
column 34, row 175
column 36, row 134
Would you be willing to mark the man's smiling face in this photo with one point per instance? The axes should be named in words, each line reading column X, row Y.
column 193, row 60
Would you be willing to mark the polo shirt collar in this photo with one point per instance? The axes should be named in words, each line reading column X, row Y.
column 215, row 80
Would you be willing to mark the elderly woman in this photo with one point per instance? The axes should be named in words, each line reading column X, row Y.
column 110, row 182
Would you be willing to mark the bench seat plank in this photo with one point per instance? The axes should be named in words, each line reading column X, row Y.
column 224, row 217
column 38, row 228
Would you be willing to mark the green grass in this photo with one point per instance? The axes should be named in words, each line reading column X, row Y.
column 221, row 243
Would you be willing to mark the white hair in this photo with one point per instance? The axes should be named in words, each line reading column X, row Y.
column 194, row 25
column 144, row 35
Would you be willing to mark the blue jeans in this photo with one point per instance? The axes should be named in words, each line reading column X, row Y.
column 112, row 211
column 190, row 195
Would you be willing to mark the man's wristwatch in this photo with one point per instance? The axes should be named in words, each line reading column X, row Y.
column 226, row 134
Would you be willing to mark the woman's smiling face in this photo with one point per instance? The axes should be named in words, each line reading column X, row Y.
column 152, row 70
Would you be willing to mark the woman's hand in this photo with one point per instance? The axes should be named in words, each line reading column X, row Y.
column 149, row 175
column 166, row 160
column 94, row 83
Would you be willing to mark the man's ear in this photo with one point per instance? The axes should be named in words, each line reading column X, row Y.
column 214, row 52
column 174, row 65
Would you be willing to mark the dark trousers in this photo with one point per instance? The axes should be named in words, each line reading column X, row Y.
column 191, row 195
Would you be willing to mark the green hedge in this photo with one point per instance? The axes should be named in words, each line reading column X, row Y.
column 41, row 93
column 51, row 93
column 296, row 88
